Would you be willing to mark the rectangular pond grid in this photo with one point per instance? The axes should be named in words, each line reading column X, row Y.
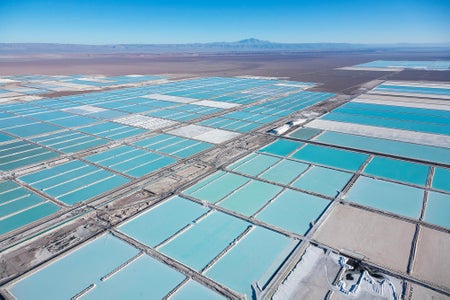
column 122, row 272
column 20, row 207
column 384, row 116
column 74, row 181
column 17, row 154
column 403, row 149
column 173, row 145
column 420, row 65
column 112, row 131
column 69, row 141
column 387, row 196
column 179, row 225
column 248, row 197
column 130, row 160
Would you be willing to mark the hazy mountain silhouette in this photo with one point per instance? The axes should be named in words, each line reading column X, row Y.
column 245, row 45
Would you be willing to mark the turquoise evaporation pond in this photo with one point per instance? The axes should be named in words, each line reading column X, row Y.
column 5, row 138
column 32, row 129
column 389, row 123
column 432, row 65
column 323, row 181
column 194, row 290
column 342, row 159
column 398, row 170
column 216, row 186
column 131, row 161
column 254, row 258
column 161, row 222
column 74, row 181
column 294, row 211
column 69, row 141
column 305, row 133
column 112, row 130
column 230, row 124
column 19, row 207
column 132, row 282
column 409, row 150
column 438, row 209
column 387, row 196
column 281, row 147
column 173, row 145
column 441, row 179
column 396, row 112
column 18, row 154
column 201, row 243
column 80, row 268
column 414, row 89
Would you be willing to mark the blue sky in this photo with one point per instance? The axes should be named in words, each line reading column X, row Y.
column 177, row 21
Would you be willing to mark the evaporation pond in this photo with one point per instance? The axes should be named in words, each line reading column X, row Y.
column 132, row 282
column 337, row 158
column 294, row 211
column 217, row 186
column 254, row 258
column 323, row 181
column 395, row 169
column 161, row 222
column 80, row 268
column 251, row 197
column 388, row 196
column 437, row 209
column 281, row 147
column 197, row 246
column 194, row 290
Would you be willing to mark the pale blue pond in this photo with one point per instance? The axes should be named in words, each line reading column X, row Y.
column 145, row 278
column 399, row 170
column 438, row 209
column 161, row 222
column 323, row 181
column 270, row 168
column 80, row 268
column 255, row 258
column 388, row 196
column 294, row 211
column 250, row 198
column 197, row 246
column 194, row 290
column 216, row 187
column 285, row 171
column 256, row 164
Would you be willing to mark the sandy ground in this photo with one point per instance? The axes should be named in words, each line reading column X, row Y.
column 316, row 67
column 382, row 240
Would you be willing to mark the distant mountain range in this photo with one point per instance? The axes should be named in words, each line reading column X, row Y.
column 246, row 45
